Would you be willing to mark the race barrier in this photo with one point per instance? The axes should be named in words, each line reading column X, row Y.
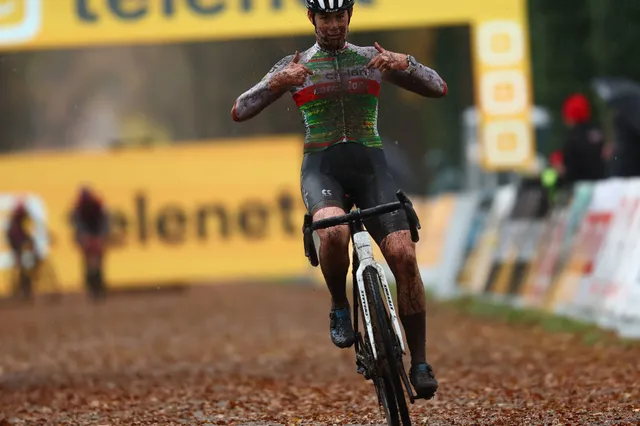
column 578, row 257
column 182, row 213
column 195, row 212
column 232, row 211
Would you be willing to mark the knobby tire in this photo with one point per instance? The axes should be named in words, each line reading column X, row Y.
column 393, row 398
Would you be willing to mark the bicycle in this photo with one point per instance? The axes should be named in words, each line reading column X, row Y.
column 33, row 271
column 379, row 354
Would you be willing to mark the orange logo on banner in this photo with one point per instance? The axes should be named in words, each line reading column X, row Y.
column 507, row 141
column 504, row 92
column 500, row 43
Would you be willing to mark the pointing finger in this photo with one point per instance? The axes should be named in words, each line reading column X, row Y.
column 379, row 62
column 296, row 58
column 378, row 47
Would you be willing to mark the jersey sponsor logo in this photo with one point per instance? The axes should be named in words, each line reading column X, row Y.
column 320, row 90
column 358, row 86
column 335, row 75
column 340, row 74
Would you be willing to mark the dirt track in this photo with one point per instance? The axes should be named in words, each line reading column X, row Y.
column 260, row 354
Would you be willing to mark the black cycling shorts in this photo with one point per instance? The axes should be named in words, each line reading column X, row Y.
column 348, row 174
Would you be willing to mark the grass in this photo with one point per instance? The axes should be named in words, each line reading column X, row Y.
column 590, row 334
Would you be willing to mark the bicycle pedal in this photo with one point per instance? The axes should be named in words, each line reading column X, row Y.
column 363, row 371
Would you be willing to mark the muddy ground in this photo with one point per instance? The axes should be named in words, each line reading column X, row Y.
column 261, row 354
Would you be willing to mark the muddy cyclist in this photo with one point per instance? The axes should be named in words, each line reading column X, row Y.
column 335, row 85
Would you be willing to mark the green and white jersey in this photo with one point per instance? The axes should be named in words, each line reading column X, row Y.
column 339, row 102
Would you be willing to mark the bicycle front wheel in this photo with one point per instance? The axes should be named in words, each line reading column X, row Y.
column 392, row 396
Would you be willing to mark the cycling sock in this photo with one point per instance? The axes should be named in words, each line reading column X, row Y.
column 415, row 328
column 334, row 263
column 338, row 290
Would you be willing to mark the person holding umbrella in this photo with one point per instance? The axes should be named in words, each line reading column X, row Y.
column 583, row 149
column 623, row 96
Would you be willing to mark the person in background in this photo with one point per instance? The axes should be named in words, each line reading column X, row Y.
column 625, row 155
column 19, row 239
column 552, row 176
column 583, row 152
column 556, row 162
column 91, row 225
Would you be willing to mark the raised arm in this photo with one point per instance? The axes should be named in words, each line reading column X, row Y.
column 401, row 70
column 285, row 74
column 421, row 80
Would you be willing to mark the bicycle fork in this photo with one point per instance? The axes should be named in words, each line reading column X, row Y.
column 364, row 252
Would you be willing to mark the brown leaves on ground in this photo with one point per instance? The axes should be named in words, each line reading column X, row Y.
column 261, row 354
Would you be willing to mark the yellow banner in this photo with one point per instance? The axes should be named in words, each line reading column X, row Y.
column 26, row 24
column 230, row 210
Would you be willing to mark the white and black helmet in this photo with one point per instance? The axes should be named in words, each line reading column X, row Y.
column 327, row 6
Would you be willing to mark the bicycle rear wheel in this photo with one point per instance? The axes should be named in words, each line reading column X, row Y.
column 393, row 401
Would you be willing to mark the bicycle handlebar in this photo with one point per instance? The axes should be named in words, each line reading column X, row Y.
column 403, row 203
column 356, row 214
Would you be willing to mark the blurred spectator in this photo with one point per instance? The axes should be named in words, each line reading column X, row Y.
column 21, row 242
column 553, row 178
column 91, row 226
column 582, row 154
column 625, row 161
column 555, row 167
column 556, row 161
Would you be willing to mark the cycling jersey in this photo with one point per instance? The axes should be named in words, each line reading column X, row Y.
column 339, row 102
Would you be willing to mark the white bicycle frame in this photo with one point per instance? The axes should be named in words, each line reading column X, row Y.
column 364, row 251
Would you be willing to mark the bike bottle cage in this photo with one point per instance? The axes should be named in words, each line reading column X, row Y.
column 357, row 216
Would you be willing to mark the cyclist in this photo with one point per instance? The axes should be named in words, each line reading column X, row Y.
column 335, row 85
column 91, row 225
column 19, row 238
